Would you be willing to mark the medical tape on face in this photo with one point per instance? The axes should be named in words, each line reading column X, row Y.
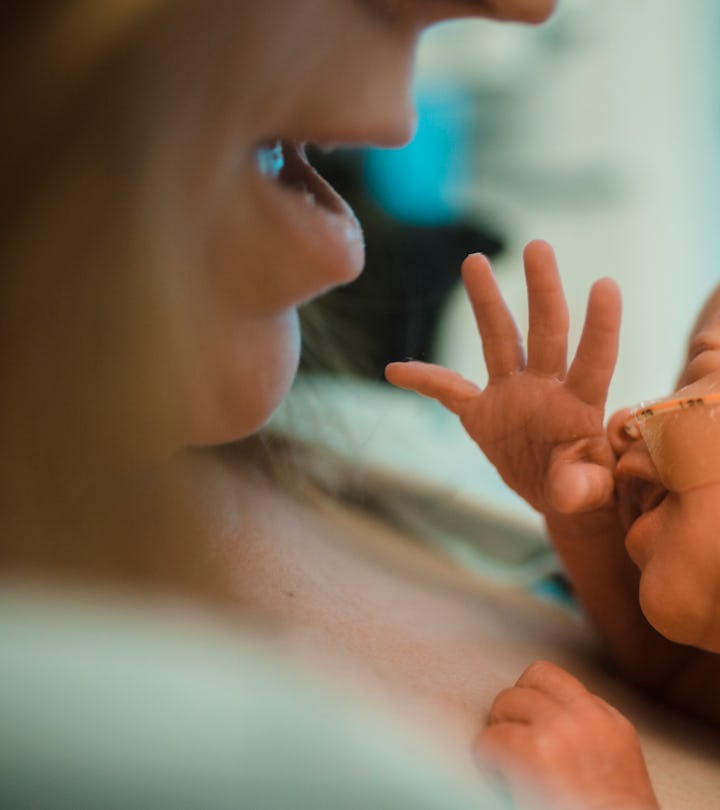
column 682, row 435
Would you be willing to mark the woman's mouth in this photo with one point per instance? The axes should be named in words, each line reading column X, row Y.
column 312, row 208
column 286, row 162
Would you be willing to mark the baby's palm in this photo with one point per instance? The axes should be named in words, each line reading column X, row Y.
column 540, row 424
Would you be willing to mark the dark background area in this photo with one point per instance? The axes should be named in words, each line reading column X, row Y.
column 390, row 312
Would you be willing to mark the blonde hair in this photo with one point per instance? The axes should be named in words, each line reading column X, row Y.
column 70, row 37
column 87, row 171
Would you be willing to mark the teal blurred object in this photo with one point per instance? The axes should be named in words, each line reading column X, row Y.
column 412, row 184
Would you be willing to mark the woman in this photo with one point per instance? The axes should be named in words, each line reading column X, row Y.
column 160, row 226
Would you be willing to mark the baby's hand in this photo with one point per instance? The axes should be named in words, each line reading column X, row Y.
column 550, row 737
column 539, row 423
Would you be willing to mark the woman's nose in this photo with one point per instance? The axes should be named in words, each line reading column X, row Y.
column 432, row 11
column 532, row 11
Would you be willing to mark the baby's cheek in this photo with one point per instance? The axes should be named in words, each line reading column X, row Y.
column 677, row 599
column 685, row 447
column 658, row 608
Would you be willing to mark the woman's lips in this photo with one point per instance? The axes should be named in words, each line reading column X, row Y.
column 299, row 175
column 312, row 208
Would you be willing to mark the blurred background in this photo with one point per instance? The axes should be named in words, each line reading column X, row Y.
column 600, row 132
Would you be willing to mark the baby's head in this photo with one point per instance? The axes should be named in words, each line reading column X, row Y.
column 668, row 485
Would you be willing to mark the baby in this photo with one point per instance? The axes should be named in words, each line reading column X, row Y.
column 632, row 510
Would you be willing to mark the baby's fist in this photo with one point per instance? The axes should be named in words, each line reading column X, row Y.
column 552, row 738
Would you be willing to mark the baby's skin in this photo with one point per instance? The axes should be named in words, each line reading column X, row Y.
column 542, row 424
column 538, row 421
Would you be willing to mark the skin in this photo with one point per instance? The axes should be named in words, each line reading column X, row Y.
column 225, row 325
column 620, row 533
column 549, row 730
column 156, row 318
column 243, row 351
column 669, row 530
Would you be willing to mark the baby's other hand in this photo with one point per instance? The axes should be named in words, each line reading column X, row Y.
column 539, row 422
column 552, row 739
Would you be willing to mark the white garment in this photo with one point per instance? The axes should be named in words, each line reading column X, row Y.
column 111, row 706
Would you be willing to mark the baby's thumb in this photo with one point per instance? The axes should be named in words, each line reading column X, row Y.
column 574, row 487
column 437, row 382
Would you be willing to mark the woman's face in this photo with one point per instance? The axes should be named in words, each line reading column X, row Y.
column 274, row 234
column 673, row 534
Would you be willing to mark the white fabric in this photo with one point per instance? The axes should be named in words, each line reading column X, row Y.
column 107, row 705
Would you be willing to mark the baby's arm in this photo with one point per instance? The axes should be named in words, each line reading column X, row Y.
column 553, row 739
column 541, row 424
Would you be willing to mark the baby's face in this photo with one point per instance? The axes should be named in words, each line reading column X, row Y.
column 668, row 486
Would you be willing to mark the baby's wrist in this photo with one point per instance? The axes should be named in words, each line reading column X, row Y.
column 583, row 525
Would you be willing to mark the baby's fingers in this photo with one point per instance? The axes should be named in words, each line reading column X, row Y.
column 547, row 309
column 520, row 705
column 553, row 681
column 592, row 369
column 448, row 387
column 501, row 340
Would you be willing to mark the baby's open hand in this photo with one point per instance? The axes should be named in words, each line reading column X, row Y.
column 550, row 737
column 539, row 423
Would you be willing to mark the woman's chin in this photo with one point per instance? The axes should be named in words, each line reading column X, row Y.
column 265, row 407
column 246, row 421
column 250, row 390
